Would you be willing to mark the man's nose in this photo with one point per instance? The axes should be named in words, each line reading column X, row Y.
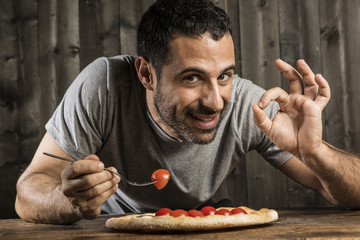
column 211, row 97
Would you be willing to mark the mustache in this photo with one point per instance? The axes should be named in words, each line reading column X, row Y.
column 203, row 110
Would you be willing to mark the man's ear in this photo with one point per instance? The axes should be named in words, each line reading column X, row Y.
column 143, row 69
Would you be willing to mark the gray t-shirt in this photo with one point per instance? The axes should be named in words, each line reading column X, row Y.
column 104, row 112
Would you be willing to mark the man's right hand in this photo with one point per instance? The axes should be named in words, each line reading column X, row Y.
column 87, row 186
column 57, row 192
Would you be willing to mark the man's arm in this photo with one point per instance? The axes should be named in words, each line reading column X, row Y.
column 300, row 173
column 338, row 185
column 339, row 173
column 54, row 191
column 297, row 128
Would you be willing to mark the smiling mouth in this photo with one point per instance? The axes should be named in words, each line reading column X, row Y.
column 203, row 121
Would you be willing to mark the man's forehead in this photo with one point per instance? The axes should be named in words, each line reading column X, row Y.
column 185, row 50
column 197, row 41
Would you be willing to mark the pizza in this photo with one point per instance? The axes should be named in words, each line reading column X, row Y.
column 208, row 218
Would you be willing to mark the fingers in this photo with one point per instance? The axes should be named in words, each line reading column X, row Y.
column 295, row 79
column 88, row 192
column 77, row 187
column 324, row 96
column 261, row 119
column 87, row 185
column 91, row 209
column 89, row 201
column 312, row 82
column 275, row 94
column 92, row 157
column 81, row 167
column 311, row 87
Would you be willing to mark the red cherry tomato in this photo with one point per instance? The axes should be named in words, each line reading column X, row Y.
column 224, row 212
column 163, row 211
column 179, row 213
column 208, row 210
column 195, row 213
column 162, row 177
column 238, row 210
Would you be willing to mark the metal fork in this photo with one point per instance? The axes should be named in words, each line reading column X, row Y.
column 107, row 169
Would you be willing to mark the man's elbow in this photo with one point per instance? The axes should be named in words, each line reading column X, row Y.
column 349, row 204
column 22, row 210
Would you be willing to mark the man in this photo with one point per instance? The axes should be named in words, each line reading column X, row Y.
column 178, row 106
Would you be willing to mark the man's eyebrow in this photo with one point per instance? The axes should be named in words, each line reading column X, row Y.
column 190, row 69
column 231, row 67
column 199, row 70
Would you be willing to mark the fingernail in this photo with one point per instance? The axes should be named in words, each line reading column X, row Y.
column 101, row 166
column 260, row 104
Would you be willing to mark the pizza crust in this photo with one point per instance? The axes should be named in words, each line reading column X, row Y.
column 148, row 222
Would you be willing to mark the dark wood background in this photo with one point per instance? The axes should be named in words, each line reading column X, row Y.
column 45, row 43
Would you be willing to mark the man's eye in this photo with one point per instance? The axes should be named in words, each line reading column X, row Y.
column 192, row 78
column 224, row 77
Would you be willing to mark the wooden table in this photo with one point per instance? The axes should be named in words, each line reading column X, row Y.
column 292, row 224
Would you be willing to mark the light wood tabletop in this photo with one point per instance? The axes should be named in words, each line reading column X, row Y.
column 292, row 224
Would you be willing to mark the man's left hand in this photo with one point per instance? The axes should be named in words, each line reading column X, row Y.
column 297, row 127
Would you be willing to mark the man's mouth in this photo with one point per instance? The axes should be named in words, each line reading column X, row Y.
column 204, row 121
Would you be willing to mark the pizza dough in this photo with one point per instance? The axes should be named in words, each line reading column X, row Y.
column 149, row 222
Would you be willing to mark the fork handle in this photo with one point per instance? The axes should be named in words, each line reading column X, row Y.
column 62, row 158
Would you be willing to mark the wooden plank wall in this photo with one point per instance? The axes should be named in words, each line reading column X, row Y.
column 45, row 43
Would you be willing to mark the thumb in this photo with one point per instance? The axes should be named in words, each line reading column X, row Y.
column 261, row 119
column 92, row 157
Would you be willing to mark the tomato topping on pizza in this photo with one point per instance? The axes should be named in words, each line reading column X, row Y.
column 195, row 213
column 205, row 211
column 159, row 221
column 162, row 177
column 208, row 210
column 238, row 210
column 163, row 212
column 224, row 212
column 179, row 213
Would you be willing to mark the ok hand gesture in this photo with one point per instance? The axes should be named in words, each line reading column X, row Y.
column 297, row 127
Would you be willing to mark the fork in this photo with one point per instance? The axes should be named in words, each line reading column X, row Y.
column 107, row 169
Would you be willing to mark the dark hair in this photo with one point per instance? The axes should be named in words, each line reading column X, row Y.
column 168, row 19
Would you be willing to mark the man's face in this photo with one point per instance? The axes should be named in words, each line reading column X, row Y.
column 195, row 87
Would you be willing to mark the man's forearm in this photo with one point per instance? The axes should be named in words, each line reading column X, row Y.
column 41, row 200
column 339, row 173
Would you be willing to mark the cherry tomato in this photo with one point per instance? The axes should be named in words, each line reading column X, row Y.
column 162, row 177
column 238, row 210
column 208, row 210
column 224, row 212
column 179, row 213
column 195, row 213
column 163, row 211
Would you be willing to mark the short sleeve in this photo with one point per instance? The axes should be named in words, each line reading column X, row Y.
column 251, row 137
column 77, row 125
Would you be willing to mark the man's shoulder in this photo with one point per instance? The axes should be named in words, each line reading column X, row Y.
column 114, row 62
column 105, row 75
column 113, row 70
column 105, row 65
column 121, row 69
column 120, row 59
column 244, row 88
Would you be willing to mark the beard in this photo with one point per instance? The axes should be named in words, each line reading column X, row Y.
column 180, row 121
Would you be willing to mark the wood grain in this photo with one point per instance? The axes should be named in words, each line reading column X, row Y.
column 292, row 224
column 44, row 44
